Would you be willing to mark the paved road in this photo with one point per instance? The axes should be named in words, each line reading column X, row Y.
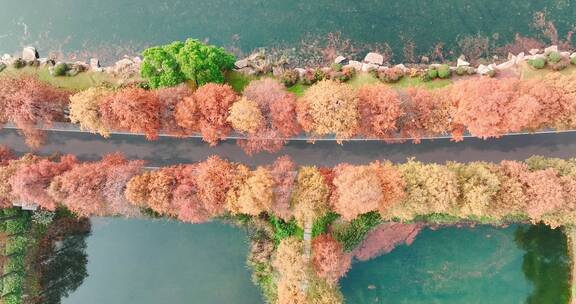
column 173, row 150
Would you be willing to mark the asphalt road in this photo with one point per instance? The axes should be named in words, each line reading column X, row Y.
column 169, row 150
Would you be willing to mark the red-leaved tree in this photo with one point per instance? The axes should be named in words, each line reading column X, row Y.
column 328, row 258
column 134, row 110
column 380, row 108
column 28, row 102
column 169, row 100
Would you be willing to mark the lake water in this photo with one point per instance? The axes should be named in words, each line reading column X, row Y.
column 121, row 25
column 141, row 261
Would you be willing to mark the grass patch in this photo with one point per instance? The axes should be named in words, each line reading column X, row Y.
column 351, row 234
column 284, row 229
column 80, row 82
column 237, row 80
column 298, row 89
column 321, row 225
column 362, row 79
column 528, row 72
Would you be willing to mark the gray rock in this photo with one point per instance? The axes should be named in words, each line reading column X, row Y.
column 506, row 65
column 402, row 67
column 248, row 71
column 6, row 58
column 485, row 69
column 565, row 54
column 550, row 49
column 94, row 63
column 255, row 56
column 300, row 71
column 425, row 60
column 521, row 57
column 374, row 58
column 534, row 51
column 462, row 63
column 240, row 64
column 355, row 64
column 277, row 71
column 340, row 59
column 29, row 53
column 367, row 67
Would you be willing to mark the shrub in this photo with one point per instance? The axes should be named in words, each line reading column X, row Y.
column 16, row 245
column 14, row 264
column 319, row 75
column 460, row 71
column 390, row 75
column 17, row 225
column 85, row 109
column 432, row 73
column 351, row 234
column 18, row 63
column 379, row 108
column 43, row 217
column 554, row 57
column 283, row 229
column 444, row 71
column 171, row 64
column 537, row 63
column 563, row 63
column 60, row 69
column 13, row 298
column 336, row 67
column 290, row 77
column 322, row 224
column 573, row 60
column 328, row 258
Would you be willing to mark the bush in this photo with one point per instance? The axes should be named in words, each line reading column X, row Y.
column 321, row 224
column 12, row 285
column 573, row 60
column 460, row 71
column 351, row 234
column 171, row 64
column 14, row 264
column 15, row 226
column 444, row 71
column 537, row 63
column 12, row 299
column 60, row 69
column 319, row 75
column 563, row 63
column 16, row 245
column 284, row 229
column 390, row 75
column 336, row 67
column 290, row 78
column 18, row 63
column 43, row 217
column 554, row 57
column 432, row 73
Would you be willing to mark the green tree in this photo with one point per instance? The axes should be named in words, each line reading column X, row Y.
column 171, row 64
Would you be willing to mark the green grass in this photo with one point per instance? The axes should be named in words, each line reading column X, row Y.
column 362, row 79
column 237, row 80
column 528, row 72
column 298, row 89
column 82, row 81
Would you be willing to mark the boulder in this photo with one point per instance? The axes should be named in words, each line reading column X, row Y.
column 340, row 59
column 382, row 68
column 539, row 56
column 506, row 65
column 485, row 69
column 424, row 60
column 29, row 53
column 242, row 63
column 367, row 67
column 521, row 57
column 573, row 55
column 374, row 58
column 534, row 51
column 255, row 56
column 300, row 71
column 550, row 49
column 462, row 63
column 565, row 54
column 401, row 67
column 247, row 71
column 94, row 63
column 357, row 65
column 277, row 71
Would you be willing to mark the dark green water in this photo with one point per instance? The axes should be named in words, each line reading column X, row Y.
column 518, row 264
column 141, row 261
column 107, row 25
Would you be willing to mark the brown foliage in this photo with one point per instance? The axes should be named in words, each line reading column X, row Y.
column 132, row 109
column 379, row 108
column 83, row 189
column 310, row 198
column 245, row 116
column 154, row 190
column 425, row 113
column 214, row 177
column 207, row 111
column 30, row 182
column 5, row 155
column 252, row 192
column 170, row 98
column 329, row 107
column 290, row 263
column 328, row 258
column 283, row 173
column 85, row 110
column 6, row 173
column 28, row 102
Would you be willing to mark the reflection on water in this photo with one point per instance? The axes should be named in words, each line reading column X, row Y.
column 545, row 264
column 517, row 264
column 72, row 25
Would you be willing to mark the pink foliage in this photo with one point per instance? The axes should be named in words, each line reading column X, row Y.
column 329, row 260
column 30, row 182
column 169, row 100
column 283, row 172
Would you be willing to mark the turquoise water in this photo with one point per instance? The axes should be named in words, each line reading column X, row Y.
column 134, row 261
column 106, row 25
column 518, row 264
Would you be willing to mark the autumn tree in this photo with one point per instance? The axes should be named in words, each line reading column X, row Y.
column 329, row 107
column 380, row 108
column 430, row 188
column 425, row 113
column 290, row 263
column 511, row 198
column 5, row 156
column 28, row 102
column 154, row 190
column 245, row 116
column 85, row 188
column 253, row 193
column 30, row 182
column 170, row 98
column 278, row 110
column 328, row 258
column 478, row 185
column 85, row 109
column 134, row 110
column 206, row 111
column 310, row 197
column 283, row 172
column 6, row 172
column 214, row 178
